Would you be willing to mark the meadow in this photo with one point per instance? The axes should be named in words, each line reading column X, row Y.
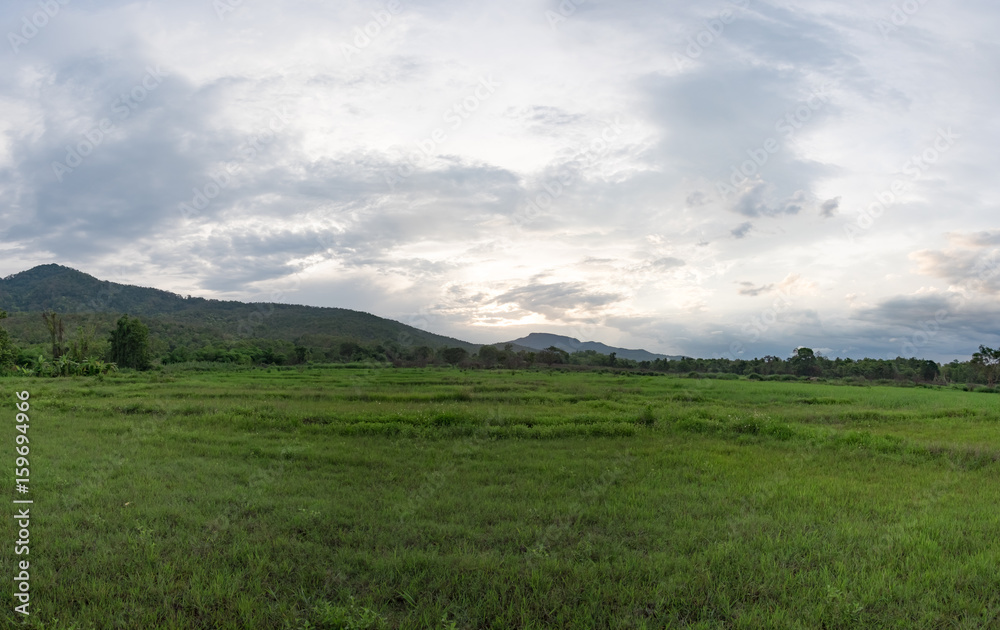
column 324, row 497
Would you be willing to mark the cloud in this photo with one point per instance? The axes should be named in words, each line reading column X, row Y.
column 934, row 323
column 756, row 200
column 751, row 290
column 667, row 262
column 695, row 199
column 742, row 229
column 985, row 238
column 972, row 264
column 556, row 300
column 545, row 119
column 791, row 284
column 828, row 209
column 907, row 308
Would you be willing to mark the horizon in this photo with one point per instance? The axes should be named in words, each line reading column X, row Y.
column 734, row 179
column 493, row 343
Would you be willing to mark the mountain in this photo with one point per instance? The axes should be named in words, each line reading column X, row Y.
column 193, row 322
column 82, row 298
column 541, row 341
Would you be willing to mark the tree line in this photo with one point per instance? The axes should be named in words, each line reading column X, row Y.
column 804, row 363
column 128, row 345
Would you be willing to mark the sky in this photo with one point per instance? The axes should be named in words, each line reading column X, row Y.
column 715, row 179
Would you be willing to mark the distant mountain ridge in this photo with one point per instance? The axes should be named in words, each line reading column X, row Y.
column 541, row 341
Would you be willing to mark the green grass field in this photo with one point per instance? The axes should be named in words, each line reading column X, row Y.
column 434, row 498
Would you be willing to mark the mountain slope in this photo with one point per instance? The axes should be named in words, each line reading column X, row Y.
column 541, row 341
column 68, row 292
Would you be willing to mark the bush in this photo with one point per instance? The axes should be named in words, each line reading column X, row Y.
column 130, row 344
column 726, row 376
column 647, row 417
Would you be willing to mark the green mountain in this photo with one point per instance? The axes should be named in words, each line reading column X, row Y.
column 183, row 328
column 191, row 322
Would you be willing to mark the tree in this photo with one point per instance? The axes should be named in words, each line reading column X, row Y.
column 421, row 354
column 8, row 352
column 55, row 326
column 349, row 350
column 130, row 343
column 454, row 355
column 488, row 355
column 929, row 370
column 804, row 361
column 85, row 345
column 552, row 355
column 987, row 363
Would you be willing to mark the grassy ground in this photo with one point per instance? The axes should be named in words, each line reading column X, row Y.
column 335, row 498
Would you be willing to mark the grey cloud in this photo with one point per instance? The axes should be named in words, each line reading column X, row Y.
column 756, row 201
column 554, row 300
column 985, row 238
column 936, row 324
column 753, row 291
column 907, row 308
column 695, row 199
column 976, row 269
column 667, row 262
column 731, row 112
column 741, row 230
column 143, row 161
column 782, row 36
column 829, row 208
column 544, row 117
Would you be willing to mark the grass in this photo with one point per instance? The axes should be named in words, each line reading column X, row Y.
column 434, row 498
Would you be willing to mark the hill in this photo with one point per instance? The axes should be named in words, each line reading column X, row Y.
column 541, row 341
column 84, row 299
column 193, row 325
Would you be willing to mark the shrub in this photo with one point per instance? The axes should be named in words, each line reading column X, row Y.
column 647, row 417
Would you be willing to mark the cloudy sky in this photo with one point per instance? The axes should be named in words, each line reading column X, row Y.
column 711, row 179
